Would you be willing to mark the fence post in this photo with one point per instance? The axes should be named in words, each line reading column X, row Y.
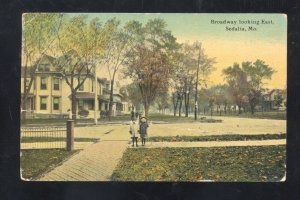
column 70, row 135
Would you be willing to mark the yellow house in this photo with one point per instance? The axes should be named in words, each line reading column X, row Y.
column 50, row 95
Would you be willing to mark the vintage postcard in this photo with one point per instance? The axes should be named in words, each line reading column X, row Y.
column 153, row 97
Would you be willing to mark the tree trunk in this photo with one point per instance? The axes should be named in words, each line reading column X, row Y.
column 175, row 104
column 180, row 106
column 252, row 108
column 187, row 102
column 146, row 107
column 240, row 111
column 111, row 99
column 74, row 107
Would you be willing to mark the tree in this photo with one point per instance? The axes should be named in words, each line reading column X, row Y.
column 81, row 45
column 204, row 68
column 149, row 64
column 219, row 92
column 38, row 37
column 256, row 72
column 134, row 94
column 211, row 101
column 247, row 81
column 278, row 100
column 162, row 99
column 184, row 75
column 237, row 81
column 120, row 45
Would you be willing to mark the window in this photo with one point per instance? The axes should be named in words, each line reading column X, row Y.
column 81, row 88
column 80, row 104
column 44, row 67
column 56, row 84
column 55, row 103
column 43, row 83
column 43, row 103
column 91, row 105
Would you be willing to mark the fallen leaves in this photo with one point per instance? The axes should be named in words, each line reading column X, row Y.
column 195, row 164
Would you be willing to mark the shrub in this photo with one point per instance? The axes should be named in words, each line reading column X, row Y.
column 83, row 113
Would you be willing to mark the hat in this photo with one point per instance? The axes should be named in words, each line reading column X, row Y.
column 143, row 119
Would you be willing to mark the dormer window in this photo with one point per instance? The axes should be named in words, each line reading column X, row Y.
column 44, row 68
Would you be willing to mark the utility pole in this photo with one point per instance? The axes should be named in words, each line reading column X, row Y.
column 197, row 80
column 96, row 98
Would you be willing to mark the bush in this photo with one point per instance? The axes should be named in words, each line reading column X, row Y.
column 83, row 113
column 103, row 113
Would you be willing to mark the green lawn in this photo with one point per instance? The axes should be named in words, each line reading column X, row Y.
column 123, row 118
column 259, row 115
column 196, row 164
column 34, row 162
column 54, row 139
column 234, row 137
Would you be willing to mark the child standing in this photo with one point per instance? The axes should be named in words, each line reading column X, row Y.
column 143, row 129
column 133, row 132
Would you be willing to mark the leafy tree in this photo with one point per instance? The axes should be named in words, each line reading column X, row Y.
column 162, row 99
column 203, row 99
column 134, row 94
column 149, row 64
column 211, row 101
column 247, row 81
column 121, row 43
column 237, row 81
column 221, row 97
column 81, row 45
column 278, row 100
column 256, row 72
column 184, row 75
column 38, row 37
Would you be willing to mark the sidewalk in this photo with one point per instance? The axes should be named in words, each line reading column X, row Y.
column 94, row 163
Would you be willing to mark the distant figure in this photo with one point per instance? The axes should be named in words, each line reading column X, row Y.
column 70, row 113
column 133, row 132
column 132, row 115
column 136, row 115
column 143, row 130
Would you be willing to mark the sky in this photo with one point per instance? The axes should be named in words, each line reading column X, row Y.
column 268, row 42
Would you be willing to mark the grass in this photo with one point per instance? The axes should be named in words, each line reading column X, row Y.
column 122, row 118
column 234, row 137
column 54, row 139
column 258, row 115
column 35, row 162
column 243, row 164
column 167, row 118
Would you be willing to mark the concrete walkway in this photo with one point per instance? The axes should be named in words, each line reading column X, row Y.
column 94, row 163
